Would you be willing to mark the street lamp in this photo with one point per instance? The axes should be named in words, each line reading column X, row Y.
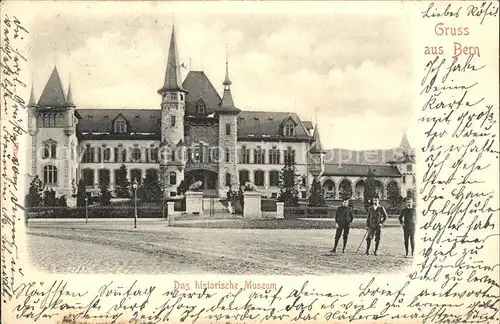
column 134, row 186
column 86, row 210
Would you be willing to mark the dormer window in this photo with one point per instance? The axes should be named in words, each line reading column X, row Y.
column 120, row 126
column 173, row 96
column 201, row 109
column 289, row 129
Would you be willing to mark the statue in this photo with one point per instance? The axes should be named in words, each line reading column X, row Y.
column 196, row 186
column 249, row 186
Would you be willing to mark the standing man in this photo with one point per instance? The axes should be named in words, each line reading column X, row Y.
column 407, row 220
column 343, row 218
column 374, row 223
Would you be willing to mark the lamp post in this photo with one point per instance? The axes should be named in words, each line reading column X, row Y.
column 134, row 186
column 86, row 210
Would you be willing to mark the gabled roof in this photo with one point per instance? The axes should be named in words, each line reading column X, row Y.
column 360, row 170
column 53, row 93
column 140, row 121
column 267, row 124
column 199, row 86
column 173, row 71
column 308, row 125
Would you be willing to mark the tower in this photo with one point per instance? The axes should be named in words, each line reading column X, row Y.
column 316, row 155
column 52, row 123
column 172, row 148
column 404, row 159
column 228, row 137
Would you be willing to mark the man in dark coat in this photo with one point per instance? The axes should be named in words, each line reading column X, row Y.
column 343, row 218
column 407, row 220
column 374, row 223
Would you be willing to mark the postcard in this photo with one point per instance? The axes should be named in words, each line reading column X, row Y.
column 250, row 162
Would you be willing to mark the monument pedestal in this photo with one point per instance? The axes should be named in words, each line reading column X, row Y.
column 252, row 204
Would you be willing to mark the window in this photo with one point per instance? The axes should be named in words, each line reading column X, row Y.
column 182, row 97
column 409, row 168
column 136, row 154
column 104, row 177
column 49, row 120
column 153, row 155
column 49, row 150
column 404, row 179
column 88, row 177
column 173, row 155
column 413, row 180
column 107, row 154
column 172, row 121
column 99, row 154
column 120, row 126
column 50, row 174
column 244, row 176
column 245, row 155
column 274, row 178
column 259, row 178
column 173, row 178
column 228, row 179
column 201, row 109
column 228, row 129
column 289, row 129
column 228, row 156
column 88, row 154
column 289, row 156
column 274, row 156
column 173, row 96
column 259, row 156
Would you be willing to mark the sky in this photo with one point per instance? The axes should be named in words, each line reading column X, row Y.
column 352, row 73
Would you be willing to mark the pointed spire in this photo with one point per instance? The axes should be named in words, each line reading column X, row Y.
column 227, row 103
column 404, row 142
column 317, row 147
column 173, row 72
column 32, row 102
column 53, row 93
column 69, row 97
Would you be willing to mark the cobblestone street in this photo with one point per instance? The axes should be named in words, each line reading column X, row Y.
column 104, row 246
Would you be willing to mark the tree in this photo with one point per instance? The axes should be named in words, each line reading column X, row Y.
column 34, row 197
column 393, row 194
column 49, row 198
column 182, row 188
column 316, row 195
column 369, row 190
column 289, row 184
column 81, row 193
column 345, row 190
column 122, row 184
column 105, row 197
column 150, row 189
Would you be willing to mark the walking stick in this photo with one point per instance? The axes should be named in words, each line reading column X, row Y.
column 364, row 236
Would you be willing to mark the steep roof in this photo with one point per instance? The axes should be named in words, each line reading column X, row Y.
column 140, row 121
column 308, row 125
column 69, row 98
column 173, row 71
column 404, row 142
column 227, row 104
column 53, row 93
column 360, row 170
column 199, row 87
column 32, row 100
column 317, row 147
column 267, row 124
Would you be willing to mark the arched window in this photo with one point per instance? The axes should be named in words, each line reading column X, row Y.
column 49, row 149
column 136, row 154
column 136, row 175
column 107, row 154
column 120, row 126
column 201, row 109
column 88, row 177
column 104, row 177
column 228, row 179
column 259, row 178
column 173, row 178
column 50, row 174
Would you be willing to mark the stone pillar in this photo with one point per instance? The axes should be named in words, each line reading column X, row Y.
column 96, row 178
column 280, row 210
column 252, row 207
column 194, row 202
column 170, row 212
column 112, row 179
